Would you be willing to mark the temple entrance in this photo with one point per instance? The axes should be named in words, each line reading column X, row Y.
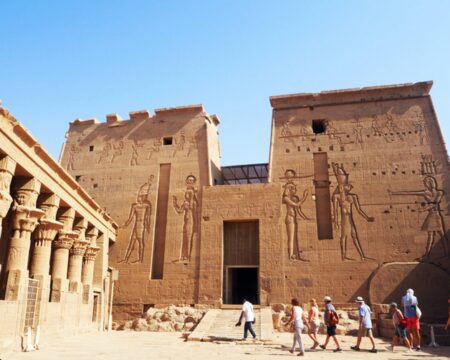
column 241, row 262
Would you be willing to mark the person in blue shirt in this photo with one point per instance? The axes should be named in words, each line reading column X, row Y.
column 365, row 325
column 410, row 309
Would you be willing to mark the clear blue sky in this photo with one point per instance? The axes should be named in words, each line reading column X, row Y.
column 60, row 60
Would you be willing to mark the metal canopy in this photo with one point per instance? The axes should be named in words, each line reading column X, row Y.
column 245, row 174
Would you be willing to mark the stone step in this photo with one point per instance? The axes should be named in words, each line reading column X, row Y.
column 220, row 325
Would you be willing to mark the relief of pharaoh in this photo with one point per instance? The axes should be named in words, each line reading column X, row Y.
column 293, row 213
column 140, row 213
column 433, row 223
column 343, row 203
column 189, row 208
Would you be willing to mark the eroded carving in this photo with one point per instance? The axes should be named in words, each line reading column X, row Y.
column 117, row 150
column 135, row 153
column 179, row 143
column 104, row 155
column 434, row 222
column 189, row 208
column 140, row 213
column 428, row 166
column 193, row 145
column 157, row 143
column 74, row 149
column 293, row 213
column 343, row 203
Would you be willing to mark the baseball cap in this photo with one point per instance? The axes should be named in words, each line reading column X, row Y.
column 359, row 299
column 327, row 298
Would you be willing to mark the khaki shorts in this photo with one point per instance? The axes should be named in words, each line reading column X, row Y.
column 365, row 332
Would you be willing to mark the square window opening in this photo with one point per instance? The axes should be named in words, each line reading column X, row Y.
column 319, row 126
column 167, row 140
column 91, row 147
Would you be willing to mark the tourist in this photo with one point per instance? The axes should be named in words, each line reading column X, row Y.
column 297, row 316
column 313, row 322
column 365, row 325
column 331, row 320
column 249, row 316
column 412, row 313
column 399, row 322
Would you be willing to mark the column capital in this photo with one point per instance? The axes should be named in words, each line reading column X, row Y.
column 66, row 216
column 91, row 253
column 79, row 247
column 65, row 239
column 50, row 204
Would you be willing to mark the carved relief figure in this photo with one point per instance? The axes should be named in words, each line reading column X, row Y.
column 134, row 153
column 293, row 212
column 118, row 150
column 72, row 152
column 376, row 128
column 179, row 143
column 104, row 155
column 357, row 130
column 189, row 208
column 433, row 223
column 420, row 126
column 392, row 127
column 157, row 143
column 344, row 201
column 140, row 213
column 192, row 145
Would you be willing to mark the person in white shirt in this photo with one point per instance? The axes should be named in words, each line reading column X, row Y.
column 249, row 317
column 297, row 316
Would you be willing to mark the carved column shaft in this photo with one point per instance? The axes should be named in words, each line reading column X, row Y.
column 45, row 234
column 25, row 219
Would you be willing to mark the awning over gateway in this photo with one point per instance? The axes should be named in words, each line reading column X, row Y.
column 245, row 174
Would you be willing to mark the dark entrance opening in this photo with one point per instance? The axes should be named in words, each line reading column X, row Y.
column 243, row 284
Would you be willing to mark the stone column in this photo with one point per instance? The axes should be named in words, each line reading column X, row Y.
column 45, row 234
column 24, row 221
column 87, row 274
column 7, row 168
column 61, row 247
column 76, row 256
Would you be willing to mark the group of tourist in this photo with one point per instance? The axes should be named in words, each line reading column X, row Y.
column 406, row 324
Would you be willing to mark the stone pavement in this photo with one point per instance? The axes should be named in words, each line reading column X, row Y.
column 149, row 345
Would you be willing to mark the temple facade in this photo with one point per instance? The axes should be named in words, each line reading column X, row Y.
column 352, row 202
column 54, row 272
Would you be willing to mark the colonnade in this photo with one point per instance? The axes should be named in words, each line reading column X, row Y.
column 38, row 219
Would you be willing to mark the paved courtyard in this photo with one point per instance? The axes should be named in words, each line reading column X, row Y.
column 148, row 345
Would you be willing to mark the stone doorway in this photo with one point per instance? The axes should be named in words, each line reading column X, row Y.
column 241, row 261
column 242, row 283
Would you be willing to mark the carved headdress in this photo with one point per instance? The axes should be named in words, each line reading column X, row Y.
column 340, row 173
column 144, row 190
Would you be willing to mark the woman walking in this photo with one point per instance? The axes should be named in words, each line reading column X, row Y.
column 297, row 316
column 313, row 322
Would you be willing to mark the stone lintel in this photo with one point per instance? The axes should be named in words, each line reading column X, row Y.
column 356, row 95
column 180, row 109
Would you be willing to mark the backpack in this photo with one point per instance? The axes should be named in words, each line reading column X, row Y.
column 333, row 318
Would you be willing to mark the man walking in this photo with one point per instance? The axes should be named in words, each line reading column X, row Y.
column 331, row 320
column 410, row 309
column 249, row 317
column 365, row 325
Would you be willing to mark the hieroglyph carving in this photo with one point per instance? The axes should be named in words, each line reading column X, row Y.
column 157, row 143
column 428, row 165
column 140, row 212
column 433, row 223
column 343, row 203
column 117, row 150
column 293, row 213
column 135, row 145
column 193, row 145
column 189, row 208
column 179, row 143
column 104, row 155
